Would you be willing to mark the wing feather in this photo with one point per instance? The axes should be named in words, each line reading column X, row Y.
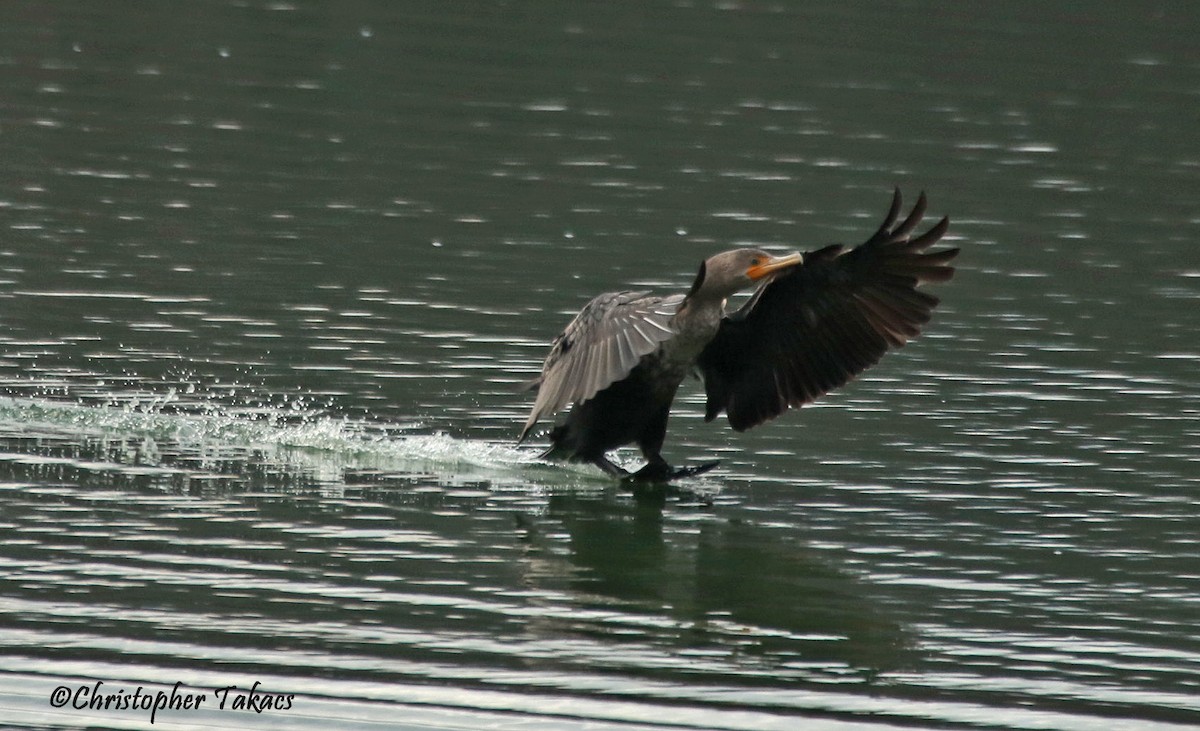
column 816, row 326
column 602, row 345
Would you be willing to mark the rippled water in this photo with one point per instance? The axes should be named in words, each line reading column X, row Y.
column 271, row 274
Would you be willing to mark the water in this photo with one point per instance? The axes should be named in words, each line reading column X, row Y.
column 271, row 274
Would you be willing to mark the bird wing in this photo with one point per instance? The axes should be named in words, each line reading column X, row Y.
column 814, row 327
column 604, row 342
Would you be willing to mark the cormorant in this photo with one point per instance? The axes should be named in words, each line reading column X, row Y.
column 815, row 321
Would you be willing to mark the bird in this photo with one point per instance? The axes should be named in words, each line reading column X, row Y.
column 814, row 321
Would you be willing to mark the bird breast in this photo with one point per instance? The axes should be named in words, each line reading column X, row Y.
column 695, row 326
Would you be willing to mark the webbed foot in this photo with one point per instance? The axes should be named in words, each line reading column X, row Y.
column 661, row 472
column 693, row 470
column 655, row 482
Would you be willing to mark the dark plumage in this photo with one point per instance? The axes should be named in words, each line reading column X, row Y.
column 815, row 321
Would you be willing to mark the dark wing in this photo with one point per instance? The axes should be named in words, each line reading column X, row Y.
column 817, row 325
column 604, row 342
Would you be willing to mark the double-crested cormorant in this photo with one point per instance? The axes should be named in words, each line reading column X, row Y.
column 816, row 320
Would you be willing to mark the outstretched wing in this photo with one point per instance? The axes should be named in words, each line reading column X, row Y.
column 604, row 342
column 817, row 325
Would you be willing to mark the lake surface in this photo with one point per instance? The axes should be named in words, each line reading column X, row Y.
column 271, row 272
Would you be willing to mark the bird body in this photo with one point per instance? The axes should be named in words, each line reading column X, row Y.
column 814, row 322
column 635, row 409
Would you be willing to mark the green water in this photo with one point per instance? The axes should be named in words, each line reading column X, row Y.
column 271, row 272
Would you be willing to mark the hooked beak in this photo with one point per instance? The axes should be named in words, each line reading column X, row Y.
column 772, row 265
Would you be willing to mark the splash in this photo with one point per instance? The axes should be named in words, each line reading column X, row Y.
column 300, row 440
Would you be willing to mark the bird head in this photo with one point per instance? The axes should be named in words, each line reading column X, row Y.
column 730, row 272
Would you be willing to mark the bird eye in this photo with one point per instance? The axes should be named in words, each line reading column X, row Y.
column 755, row 261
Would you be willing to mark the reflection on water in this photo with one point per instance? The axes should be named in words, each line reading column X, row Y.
column 271, row 274
column 735, row 591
